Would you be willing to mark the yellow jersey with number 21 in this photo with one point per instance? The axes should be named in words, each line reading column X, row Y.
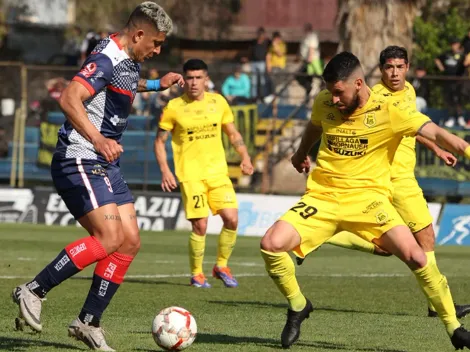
column 196, row 128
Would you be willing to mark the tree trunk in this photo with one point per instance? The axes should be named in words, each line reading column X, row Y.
column 366, row 27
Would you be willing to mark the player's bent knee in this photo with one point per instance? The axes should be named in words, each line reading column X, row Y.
column 231, row 222
column 273, row 241
column 199, row 226
column 416, row 259
column 111, row 239
column 131, row 244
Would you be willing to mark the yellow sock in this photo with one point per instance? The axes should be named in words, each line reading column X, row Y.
column 435, row 287
column 280, row 268
column 349, row 240
column 197, row 244
column 227, row 239
column 431, row 257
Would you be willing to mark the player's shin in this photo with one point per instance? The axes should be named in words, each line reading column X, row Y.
column 197, row 245
column 70, row 261
column 281, row 269
column 437, row 291
column 225, row 247
column 108, row 276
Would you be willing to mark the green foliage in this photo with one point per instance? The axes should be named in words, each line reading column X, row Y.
column 432, row 36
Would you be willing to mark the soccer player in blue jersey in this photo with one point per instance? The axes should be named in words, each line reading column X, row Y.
column 86, row 173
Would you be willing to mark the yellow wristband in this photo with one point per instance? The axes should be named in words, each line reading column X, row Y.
column 467, row 152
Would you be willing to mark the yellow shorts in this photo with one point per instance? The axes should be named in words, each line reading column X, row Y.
column 409, row 201
column 215, row 193
column 317, row 217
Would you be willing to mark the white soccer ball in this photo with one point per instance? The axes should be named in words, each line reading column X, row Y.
column 174, row 328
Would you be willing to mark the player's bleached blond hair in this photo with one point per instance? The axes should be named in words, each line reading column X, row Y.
column 153, row 13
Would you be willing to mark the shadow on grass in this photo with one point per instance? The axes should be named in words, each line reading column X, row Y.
column 259, row 304
column 222, row 339
column 18, row 344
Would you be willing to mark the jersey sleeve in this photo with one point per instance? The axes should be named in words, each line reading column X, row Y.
column 318, row 103
column 96, row 73
column 227, row 114
column 406, row 120
column 168, row 118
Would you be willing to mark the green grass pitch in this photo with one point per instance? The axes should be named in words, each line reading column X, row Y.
column 363, row 302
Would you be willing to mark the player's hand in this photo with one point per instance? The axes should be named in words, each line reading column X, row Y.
column 168, row 181
column 448, row 158
column 108, row 148
column 301, row 163
column 171, row 78
column 246, row 166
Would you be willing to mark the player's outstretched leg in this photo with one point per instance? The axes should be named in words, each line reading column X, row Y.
column 426, row 240
column 227, row 239
column 279, row 239
column 107, row 278
column 105, row 238
column 197, row 246
column 400, row 242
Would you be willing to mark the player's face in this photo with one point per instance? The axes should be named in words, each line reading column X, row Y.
column 195, row 83
column 394, row 73
column 345, row 94
column 147, row 42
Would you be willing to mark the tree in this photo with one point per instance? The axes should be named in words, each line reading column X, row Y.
column 366, row 27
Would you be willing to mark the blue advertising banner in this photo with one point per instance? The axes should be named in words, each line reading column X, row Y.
column 455, row 225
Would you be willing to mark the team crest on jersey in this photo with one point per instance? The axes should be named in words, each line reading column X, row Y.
column 88, row 70
column 370, row 120
column 381, row 217
column 211, row 109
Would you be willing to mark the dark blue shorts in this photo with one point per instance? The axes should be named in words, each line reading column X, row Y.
column 86, row 184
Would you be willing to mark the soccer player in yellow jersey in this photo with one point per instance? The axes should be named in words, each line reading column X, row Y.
column 350, row 189
column 408, row 197
column 196, row 121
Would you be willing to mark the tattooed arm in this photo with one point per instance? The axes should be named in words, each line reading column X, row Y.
column 168, row 180
column 237, row 142
column 165, row 82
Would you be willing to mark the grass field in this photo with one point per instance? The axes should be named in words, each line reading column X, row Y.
column 363, row 303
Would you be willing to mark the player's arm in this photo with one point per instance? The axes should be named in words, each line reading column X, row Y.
column 83, row 86
column 312, row 135
column 449, row 141
column 237, row 142
column 146, row 85
column 168, row 180
column 447, row 157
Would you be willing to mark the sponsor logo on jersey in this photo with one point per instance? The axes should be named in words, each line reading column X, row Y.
column 88, row 69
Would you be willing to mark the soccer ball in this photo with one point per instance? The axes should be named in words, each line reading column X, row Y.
column 174, row 329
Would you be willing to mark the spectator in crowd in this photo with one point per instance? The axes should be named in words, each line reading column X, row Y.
column 421, row 86
column 210, row 86
column 311, row 62
column 236, row 87
column 88, row 44
column 451, row 64
column 55, row 87
column 71, row 47
column 259, row 51
column 276, row 61
column 165, row 96
column 3, row 143
column 146, row 103
column 466, row 43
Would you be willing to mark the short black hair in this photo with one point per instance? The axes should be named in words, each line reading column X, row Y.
column 194, row 65
column 277, row 34
column 340, row 67
column 393, row 52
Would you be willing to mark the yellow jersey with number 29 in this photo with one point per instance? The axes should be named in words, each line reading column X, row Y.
column 356, row 151
column 404, row 163
column 196, row 129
